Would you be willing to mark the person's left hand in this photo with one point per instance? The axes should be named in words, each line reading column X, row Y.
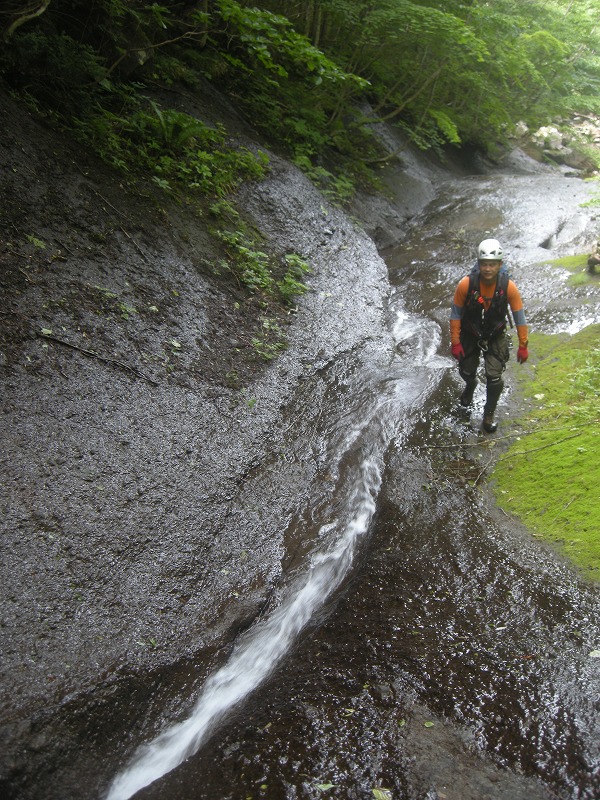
column 522, row 355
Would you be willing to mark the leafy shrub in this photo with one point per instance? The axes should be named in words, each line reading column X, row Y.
column 290, row 286
column 250, row 266
column 271, row 340
column 257, row 271
column 180, row 153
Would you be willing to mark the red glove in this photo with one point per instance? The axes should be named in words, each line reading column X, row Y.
column 458, row 351
column 522, row 355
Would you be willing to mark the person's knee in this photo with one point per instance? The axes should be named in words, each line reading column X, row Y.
column 467, row 375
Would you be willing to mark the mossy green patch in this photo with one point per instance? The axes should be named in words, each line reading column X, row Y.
column 577, row 266
column 550, row 478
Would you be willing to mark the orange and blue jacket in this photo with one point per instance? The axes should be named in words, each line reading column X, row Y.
column 470, row 307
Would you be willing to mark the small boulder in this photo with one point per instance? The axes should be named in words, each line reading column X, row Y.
column 594, row 259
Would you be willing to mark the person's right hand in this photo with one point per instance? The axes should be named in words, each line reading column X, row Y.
column 522, row 355
column 458, row 351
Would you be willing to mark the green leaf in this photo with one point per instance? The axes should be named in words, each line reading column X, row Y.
column 46, row 332
column 36, row 242
column 382, row 794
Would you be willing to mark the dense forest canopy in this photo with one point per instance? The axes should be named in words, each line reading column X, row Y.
column 310, row 75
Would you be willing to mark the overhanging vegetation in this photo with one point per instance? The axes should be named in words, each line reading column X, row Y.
column 312, row 77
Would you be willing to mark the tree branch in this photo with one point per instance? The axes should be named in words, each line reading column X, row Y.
column 92, row 354
column 485, row 442
column 24, row 15
column 541, row 447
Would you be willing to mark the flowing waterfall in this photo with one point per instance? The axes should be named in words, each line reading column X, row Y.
column 256, row 656
column 263, row 646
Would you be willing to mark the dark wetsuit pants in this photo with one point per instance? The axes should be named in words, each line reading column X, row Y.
column 495, row 358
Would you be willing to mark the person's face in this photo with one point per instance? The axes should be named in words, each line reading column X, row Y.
column 488, row 270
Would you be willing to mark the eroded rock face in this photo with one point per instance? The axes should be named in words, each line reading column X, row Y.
column 144, row 511
column 151, row 464
column 572, row 145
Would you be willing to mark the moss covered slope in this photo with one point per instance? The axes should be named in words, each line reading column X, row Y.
column 550, row 477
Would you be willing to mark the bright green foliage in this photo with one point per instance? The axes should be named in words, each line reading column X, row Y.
column 271, row 340
column 177, row 129
column 291, row 285
column 405, row 49
column 181, row 154
column 483, row 65
column 249, row 264
column 290, row 89
column 258, row 271
column 551, row 476
column 270, row 40
column 445, row 125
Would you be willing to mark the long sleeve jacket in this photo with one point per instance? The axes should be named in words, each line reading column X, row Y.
column 487, row 293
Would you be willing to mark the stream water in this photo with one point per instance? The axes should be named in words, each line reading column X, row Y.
column 423, row 650
column 356, row 462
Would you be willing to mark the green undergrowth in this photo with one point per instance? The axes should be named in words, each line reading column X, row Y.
column 550, row 477
column 577, row 266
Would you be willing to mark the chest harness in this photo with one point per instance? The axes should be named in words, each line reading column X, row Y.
column 481, row 323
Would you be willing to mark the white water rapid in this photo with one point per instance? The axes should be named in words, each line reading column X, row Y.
column 413, row 373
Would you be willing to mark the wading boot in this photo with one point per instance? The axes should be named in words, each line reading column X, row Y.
column 489, row 426
column 493, row 392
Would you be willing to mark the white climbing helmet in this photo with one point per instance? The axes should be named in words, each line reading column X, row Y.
column 489, row 250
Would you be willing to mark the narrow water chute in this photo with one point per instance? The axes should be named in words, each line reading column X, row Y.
column 257, row 655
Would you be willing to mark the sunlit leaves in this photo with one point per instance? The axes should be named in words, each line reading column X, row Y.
column 381, row 794
column 446, row 125
column 457, row 72
column 273, row 42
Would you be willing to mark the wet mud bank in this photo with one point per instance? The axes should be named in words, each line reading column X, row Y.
column 154, row 514
column 151, row 477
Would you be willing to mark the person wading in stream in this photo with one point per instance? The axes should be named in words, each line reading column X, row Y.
column 478, row 326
